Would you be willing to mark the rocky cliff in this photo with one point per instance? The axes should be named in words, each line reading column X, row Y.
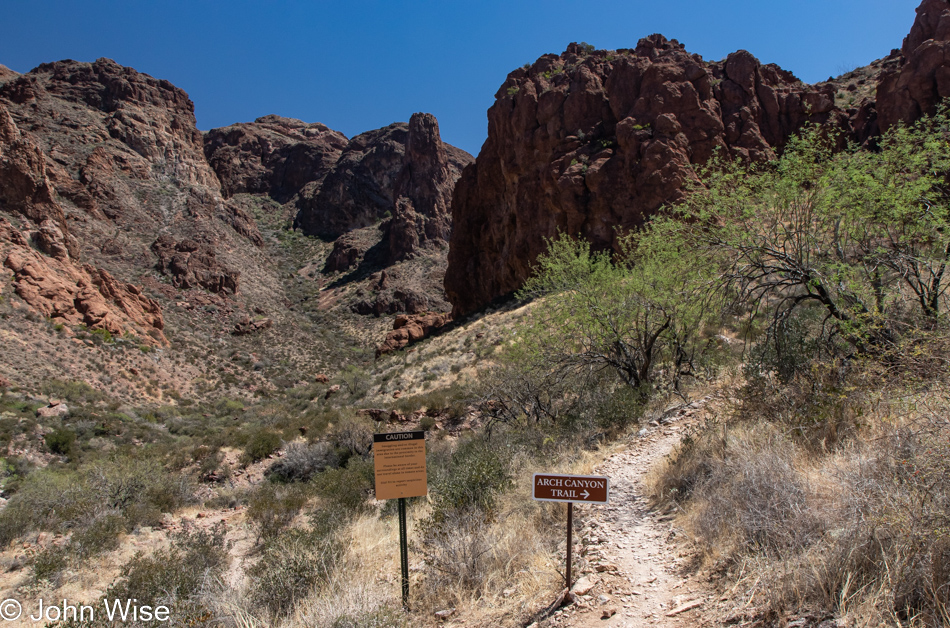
column 120, row 153
column 922, row 76
column 590, row 141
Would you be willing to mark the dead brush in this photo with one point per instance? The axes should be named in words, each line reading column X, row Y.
column 860, row 530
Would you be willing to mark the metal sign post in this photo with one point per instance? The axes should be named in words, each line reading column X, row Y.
column 399, row 463
column 403, row 553
column 590, row 489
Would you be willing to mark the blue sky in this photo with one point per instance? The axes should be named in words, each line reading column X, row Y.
column 360, row 65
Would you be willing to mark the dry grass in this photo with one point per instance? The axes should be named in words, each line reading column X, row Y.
column 823, row 506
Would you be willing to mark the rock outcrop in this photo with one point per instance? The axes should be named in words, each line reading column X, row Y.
column 409, row 329
column 375, row 170
column 358, row 192
column 923, row 76
column 273, row 155
column 192, row 264
column 117, row 145
column 73, row 294
column 423, row 190
column 25, row 188
column 592, row 141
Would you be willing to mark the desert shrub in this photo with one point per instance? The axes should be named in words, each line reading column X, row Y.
column 50, row 563
column 450, row 402
column 351, row 436
column 858, row 525
column 63, row 500
column 60, row 441
column 272, row 507
column 261, row 444
column 177, row 575
column 346, row 489
column 475, row 475
column 73, row 391
column 101, row 535
column 229, row 406
column 457, row 547
column 757, row 499
column 356, row 381
column 292, row 565
column 386, row 617
column 301, row 461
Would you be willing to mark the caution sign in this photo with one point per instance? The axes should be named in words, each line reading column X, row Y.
column 589, row 489
column 400, row 464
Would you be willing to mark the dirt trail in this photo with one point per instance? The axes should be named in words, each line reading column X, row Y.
column 635, row 573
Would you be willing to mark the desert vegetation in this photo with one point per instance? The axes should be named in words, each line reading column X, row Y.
column 823, row 490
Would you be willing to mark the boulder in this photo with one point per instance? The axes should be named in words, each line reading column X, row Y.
column 409, row 329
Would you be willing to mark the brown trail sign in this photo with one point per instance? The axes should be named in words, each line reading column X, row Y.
column 399, row 460
column 399, row 463
column 588, row 489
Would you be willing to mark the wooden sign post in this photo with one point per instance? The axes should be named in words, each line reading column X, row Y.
column 590, row 489
column 399, row 462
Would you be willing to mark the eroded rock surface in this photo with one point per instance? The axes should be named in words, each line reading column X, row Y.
column 589, row 142
column 273, row 155
column 409, row 329
column 922, row 79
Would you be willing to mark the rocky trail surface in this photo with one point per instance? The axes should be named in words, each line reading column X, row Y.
column 635, row 571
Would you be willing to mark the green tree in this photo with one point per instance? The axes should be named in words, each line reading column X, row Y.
column 851, row 233
column 639, row 313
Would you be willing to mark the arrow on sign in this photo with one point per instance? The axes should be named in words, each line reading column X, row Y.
column 585, row 494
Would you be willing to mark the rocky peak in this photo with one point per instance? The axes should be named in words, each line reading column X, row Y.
column 933, row 22
column 6, row 74
column 358, row 191
column 423, row 191
column 273, row 155
column 149, row 116
column 376, row 170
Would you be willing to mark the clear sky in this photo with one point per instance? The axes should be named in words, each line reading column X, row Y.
column 358, row 65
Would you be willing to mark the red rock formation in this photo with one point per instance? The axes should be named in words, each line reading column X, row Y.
column 119, row 145
column 923, row 77
column 423, row 191
column 247, row 326
column 410, row 329
column 25, row 188
column 361, row 189
column 273, row 155
column 70, row 294
column 591, row 141
column 192, row 264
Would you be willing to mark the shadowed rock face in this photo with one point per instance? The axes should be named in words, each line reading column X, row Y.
column 424, row 189
column 359, row 190
column 273, row 155
column 923, row 76
column 374, row 171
